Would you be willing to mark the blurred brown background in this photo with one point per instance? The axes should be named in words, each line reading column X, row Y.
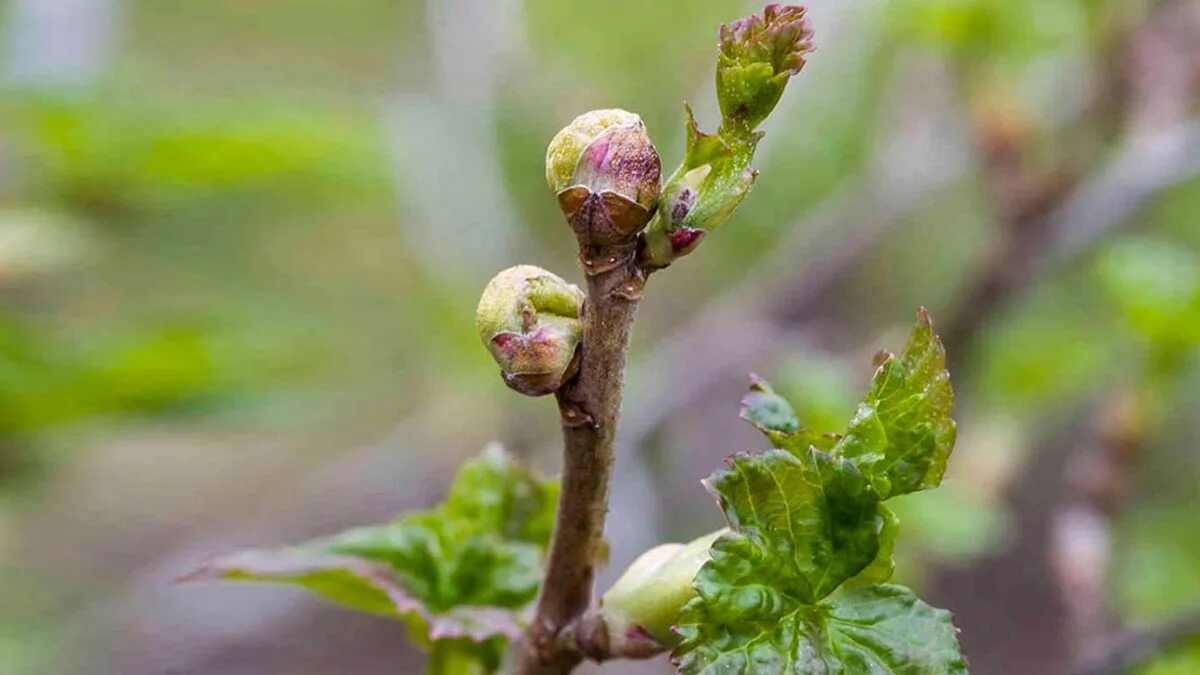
column 241, row 242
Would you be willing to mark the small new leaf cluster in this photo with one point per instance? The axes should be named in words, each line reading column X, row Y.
column 758, row 55
column 796, row 586
column 459, row 575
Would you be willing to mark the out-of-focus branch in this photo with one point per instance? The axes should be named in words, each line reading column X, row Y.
column 1080, row 535
column 740, row 322
column 1156, row 153
column 1135, row 647
column 1143, row 167
column 1045, row 216
column 1023, row 198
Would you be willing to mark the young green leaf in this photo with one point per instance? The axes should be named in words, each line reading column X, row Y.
column 901, row 436
column 882, row 628
column 902, row 433
column 800, row 526
column 884, row 565
column 768, row 411
column 713, row 179
column 463, row 571
column 757, row 57
column 771, row 414
column 358, row 584
column 885, row 628
column 795, row 587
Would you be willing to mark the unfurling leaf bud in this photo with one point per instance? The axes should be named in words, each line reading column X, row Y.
column 606, row 174
column 528, row 319
column 758, row 55
column 701, row 194
column 645, row 602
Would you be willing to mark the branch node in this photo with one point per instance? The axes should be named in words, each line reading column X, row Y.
column 591, row 637
column 573, row 415
column 631, row 288
column 598, row 259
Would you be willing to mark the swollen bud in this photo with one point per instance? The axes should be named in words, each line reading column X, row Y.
column 606, row 174
column 645, row 602
column 758, row 55
column 528, row 319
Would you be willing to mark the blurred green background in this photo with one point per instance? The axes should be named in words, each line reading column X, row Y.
column 241, row 242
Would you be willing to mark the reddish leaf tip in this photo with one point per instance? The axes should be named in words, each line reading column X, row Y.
column 684, row 239
column 758, row 382
column 881, row 357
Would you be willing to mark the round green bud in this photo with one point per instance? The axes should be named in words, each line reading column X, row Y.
column 606, row 174
column 645, row 602
column 567, row 145
column 528, row 319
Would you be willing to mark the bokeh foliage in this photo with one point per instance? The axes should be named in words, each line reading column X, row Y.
column 213, row 239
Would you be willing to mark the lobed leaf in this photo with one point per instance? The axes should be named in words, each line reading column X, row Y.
column 796, row 585
column 873, row 629
column 465, row 570
column 902, row 433
column 885, row 628
column 800, row 526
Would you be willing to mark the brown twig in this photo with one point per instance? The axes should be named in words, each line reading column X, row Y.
column 1024, row 202
column 1081, row 531
column 588, row 407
